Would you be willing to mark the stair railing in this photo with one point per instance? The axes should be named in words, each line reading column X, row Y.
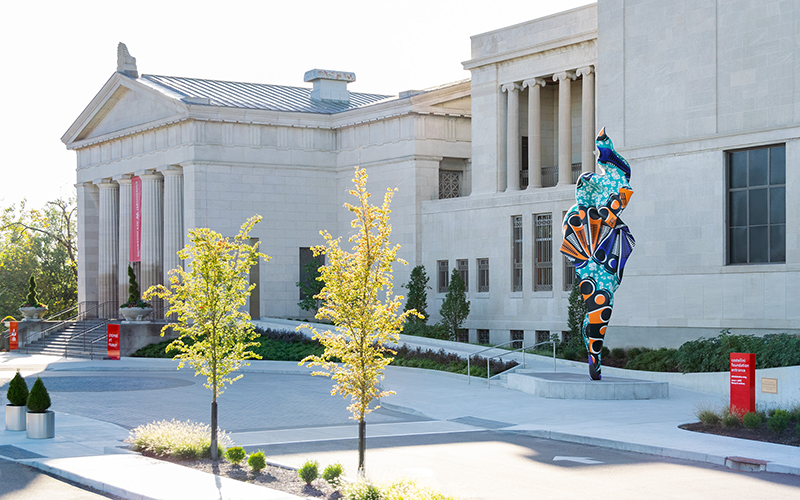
column 81, row 337
column 553, row 339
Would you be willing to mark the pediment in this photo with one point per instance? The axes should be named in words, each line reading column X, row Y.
column 457, row 103
column 123, row 104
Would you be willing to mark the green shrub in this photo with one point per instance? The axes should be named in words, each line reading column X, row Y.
column 409, row 490
column 235, row 455
column 257, row 461
column 661, row 360
column 309, row 471
column 17, row 391
column 751, row 420
column 779, row 420
column 363, row 491
column 709, row 417
column 713, row 355
column 333, row 475
column 730, row 420
column 421, row 329
column 183, row 440
column 618, row 353
column 38, row 398
column 797, row 430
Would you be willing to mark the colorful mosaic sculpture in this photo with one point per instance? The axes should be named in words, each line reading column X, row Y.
column 598, row 242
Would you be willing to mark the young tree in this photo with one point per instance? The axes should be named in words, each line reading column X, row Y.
column 455, row 307
column 214, row 330
column 576, row 310
column 417, row 294
column 356, row 352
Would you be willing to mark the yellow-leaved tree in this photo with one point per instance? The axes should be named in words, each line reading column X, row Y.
column 356, row 352
column 214, row 333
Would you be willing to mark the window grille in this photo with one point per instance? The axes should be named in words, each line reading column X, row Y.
column 449, row 184
column 576, row 171
column 566, row 337
column 549, row 176
column 757, row 205
column 569, row 275
column 483, row 275
column 543, row 251
column 443, row 279
column 462, row 335
column 542, row 336
column 517, row 253
column 483, row 336
column 463, row 269
column 523, row 171
column 518, row 337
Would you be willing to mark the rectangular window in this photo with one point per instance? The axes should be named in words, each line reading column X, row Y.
column 542, row 336
column 443, row 277
column 483, row 275
column 569, row 274
column 517, row 336
column 565, row 336
column 462, row 335
column 543, row 252
column 516, row 250
column 483, row 337
column 463, row 269
column 757, row 205
column 523, row 170
column 449, row 184
column 307, row 273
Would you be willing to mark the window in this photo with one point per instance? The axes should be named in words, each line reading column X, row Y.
column 308, row 266
column 483, row 275
column 518, row 337
column 757, row 205
column 463, row 269
column 483, row 336
column 565, row 336
column 569, row 274
column 542, row 336
column 462, row 335
column 523, row 167
column 449, row 184
column 543, row 252
column 443, row 278
column 516, row 250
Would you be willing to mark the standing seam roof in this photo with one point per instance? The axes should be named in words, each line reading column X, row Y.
column 259, row 95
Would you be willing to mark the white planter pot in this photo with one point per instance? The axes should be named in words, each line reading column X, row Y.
column 33, row 313
column 41, row 425
column 15, row 417
column 135, row 313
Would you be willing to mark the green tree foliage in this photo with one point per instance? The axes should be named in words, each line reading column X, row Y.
column 417, row 287
column 38, row 398
column 134, row 296
column 17, row 394
column 576, row 310
column 310, row 286
column 455, row 307
column 214, row 332
column 43, row 244
column 32, row 300
column 356, row 352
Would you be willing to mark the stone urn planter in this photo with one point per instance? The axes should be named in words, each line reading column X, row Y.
column 135, row 313
column 16, row 408
column 33, row 313
column 40, row 422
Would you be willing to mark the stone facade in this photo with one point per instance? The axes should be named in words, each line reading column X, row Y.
column 486, row 168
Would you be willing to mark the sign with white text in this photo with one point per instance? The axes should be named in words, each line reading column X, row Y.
column 743, row 383
column 113, row 341
column 136, row 220
column 13, row 337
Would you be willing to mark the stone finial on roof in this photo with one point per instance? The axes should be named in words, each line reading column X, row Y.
column 329, row 85
column 126, row 63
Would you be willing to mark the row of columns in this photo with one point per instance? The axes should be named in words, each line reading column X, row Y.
column 161, row 232
column 513, row 147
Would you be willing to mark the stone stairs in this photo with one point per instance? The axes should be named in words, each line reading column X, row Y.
column 77, row 339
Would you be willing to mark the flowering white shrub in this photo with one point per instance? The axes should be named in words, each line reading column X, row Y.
column 184, row 440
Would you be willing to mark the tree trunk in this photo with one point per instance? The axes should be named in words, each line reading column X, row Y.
column 362, row 445
column 214, row 454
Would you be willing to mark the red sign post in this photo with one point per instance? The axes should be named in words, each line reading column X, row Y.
column 13, row 337
column 743, row 383
column 113, row 341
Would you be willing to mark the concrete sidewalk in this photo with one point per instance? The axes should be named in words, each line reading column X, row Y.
column 87, row 450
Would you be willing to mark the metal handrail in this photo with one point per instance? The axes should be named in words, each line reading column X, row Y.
column 488, row 368
column 104, row 322
column 469, row 380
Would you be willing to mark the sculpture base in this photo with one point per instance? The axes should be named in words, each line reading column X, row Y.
column 563, row 385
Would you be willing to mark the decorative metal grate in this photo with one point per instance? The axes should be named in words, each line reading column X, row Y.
column 517, row 336
column 543, row 248
column 449, row 184
column 549, row 176
column 483, row 336
column 463, row 269
column 542, row 336
column 483, row 275
column 443, row 280
column 576, row 171
column 569, row 275
column 517, row 253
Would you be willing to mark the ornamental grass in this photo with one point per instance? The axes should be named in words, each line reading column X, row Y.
column 181, row 440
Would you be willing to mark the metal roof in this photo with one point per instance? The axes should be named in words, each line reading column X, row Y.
column 254, row 95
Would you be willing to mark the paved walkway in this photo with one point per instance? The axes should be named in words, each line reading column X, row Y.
column 92, row 420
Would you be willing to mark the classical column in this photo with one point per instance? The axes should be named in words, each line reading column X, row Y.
column 88, row 235
column 534, row 86
column 512, row 140
column 173, row 219
column 587, row 119
column 124, row 238
column 107, row 251
column 152, row 232
column 564, row 80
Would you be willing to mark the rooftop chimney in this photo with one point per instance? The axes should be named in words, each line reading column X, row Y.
column 126, row 63
column 329, row 85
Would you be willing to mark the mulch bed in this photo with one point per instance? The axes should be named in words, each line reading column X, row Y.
column 277, row 478
column 788, row 437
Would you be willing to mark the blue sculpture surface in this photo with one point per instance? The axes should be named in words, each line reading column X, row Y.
column 598, row 242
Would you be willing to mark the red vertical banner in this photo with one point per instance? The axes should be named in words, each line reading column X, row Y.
column 113, row 341
column 13, row 336
column 136, row 220
column 743, row 383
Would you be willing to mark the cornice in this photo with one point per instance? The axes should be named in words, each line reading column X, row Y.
column 575, row 39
